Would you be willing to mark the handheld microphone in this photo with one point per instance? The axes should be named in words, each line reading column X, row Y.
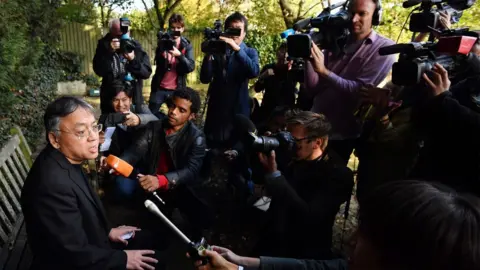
column 193, row 248
column 125, row 169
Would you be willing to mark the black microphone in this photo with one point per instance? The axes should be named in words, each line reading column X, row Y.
column 244, row 125
column 410, row 3
column 302, row 24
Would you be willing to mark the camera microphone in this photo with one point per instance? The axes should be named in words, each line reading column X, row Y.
column 410, row 3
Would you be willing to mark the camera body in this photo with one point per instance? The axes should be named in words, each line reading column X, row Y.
column 451, row 52
column 282, row 141
column 166, row 40
column 212, row 43
column 126, row 43
column 329, row 31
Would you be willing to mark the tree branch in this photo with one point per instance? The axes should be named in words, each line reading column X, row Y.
column 159, row 14
column 148, row 14
column 287, row 13
column 170, row 9
column 306, row 12
column 300, row 6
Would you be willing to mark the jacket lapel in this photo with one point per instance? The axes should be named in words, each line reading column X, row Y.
column 79, row 180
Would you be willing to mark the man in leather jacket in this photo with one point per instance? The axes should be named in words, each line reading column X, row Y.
column 173, row 150
column 307, row 195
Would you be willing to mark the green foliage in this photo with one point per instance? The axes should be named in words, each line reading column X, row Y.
column 266, row 46
column 28, row 73
column 80, row 11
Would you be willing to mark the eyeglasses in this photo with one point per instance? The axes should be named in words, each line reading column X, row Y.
column 302, row 139
column 87, row 132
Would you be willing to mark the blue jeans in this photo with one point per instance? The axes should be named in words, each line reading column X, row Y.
column 157, row 98
column 125, row 187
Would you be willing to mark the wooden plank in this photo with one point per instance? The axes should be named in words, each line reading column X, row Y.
column 19, row 166
column 9, row 148
column 22, row 159
column 7, row 208
column 19, row 178
column 10, row 195
column 12, row 181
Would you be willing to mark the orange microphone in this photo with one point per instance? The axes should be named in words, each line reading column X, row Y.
column 120, row 166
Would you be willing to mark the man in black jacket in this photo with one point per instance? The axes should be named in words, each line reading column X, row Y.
column 111, row 64
column 65, row 220
column 306, row 199
column 174, row 150
column 172, row 66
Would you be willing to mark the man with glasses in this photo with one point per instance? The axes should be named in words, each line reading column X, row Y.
column 173, row 65
column 307, row 195
column 65, row 220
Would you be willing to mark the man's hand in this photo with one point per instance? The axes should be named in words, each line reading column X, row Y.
column 101, row 137
column 268, row 161
column 148, row 182
column 439, row 82
column 228, row 254
column 136, row 259
column 267, row 73
column 115, row 44
column 216, row 262
column 231, row 154
column 132, row 120
column 175, row 52
column 445, row 19
column 231, row 42
column 129, row 56
column 379, row 97
column 318, row 61
column 116, row 234
column 103, row 166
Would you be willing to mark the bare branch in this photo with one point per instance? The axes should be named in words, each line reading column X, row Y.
column 148, row 14
column 300, row 6
column 170, row 9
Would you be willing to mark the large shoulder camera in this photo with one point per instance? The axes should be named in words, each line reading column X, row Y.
column 451, row 51
column 126, row 43
column 429, row 16
column 212, row 43
column 166, row 40
column 328, row 30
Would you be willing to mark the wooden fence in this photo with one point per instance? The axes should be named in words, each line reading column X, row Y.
column 82, row 39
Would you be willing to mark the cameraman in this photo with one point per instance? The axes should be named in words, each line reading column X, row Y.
column 228, row 77
column 111, row 64
column 307, row 196
column 450, row 132
column 334, row 82
column 172, row 66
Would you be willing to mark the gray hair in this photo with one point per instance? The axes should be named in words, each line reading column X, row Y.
column 112, row 22
column 60, row 108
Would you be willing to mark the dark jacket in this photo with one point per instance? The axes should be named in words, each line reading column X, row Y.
column 123, row 138
column 187, row 155
column 268, row 263
column 65, row 219
column 304, row 204
column 106, row 64
column 450, row 153
column 185, row 65
column 228, row 91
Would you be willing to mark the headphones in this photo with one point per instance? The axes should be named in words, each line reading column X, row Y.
column 377, row 14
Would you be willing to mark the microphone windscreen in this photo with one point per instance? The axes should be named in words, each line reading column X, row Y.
column 119, row 165
column 244, row 125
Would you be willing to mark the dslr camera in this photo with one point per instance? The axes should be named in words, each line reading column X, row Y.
column 428, row 16
column 166, row 40
column 126, row 43
column 212, row 43
column 452, row 51
column 329, row 31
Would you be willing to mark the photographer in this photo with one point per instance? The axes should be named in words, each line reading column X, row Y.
column 307, row 195
column 449, row 131
column 228, row 77
column 111, row 63
column 398, row 229
column 334, row 82
column 278, row 84
column 172, row 66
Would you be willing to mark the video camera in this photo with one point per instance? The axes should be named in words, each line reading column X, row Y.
column 451, row 51
column 166, row 40
column 332, row 32
column 126, row 43
column 428, row 17
column 212, row 43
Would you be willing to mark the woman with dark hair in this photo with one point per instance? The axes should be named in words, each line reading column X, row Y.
column 408, row 225
column 126, row 120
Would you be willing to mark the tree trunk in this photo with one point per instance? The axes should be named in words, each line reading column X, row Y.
column 148, row 14
column 287, row 13
column 170, row 9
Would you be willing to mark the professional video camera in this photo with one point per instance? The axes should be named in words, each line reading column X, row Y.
column 428, row 17
column 331, row 32
column 166, row 40
column 212, row 43
column 126, row 43
column 451, row 51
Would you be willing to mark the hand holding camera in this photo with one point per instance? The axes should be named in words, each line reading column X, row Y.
column 175, row 52
column 267, row 73
column 438, row 80
column 132, row 120
column 129, row 55
column 231, row 43
column 115, row 44
column 268, row 161
column 318, row 60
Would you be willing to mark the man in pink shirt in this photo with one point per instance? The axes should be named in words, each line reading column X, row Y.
column 172, row 66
